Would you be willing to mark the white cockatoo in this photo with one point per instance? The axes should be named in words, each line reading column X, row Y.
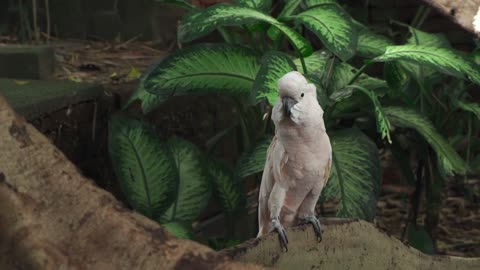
column 298, row 160
column 476, row 21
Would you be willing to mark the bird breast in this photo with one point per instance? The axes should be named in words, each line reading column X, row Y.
column 308, row 149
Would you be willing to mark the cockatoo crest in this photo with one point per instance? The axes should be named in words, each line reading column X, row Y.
column 298, row 99
column 476, row 21
column 293, row 84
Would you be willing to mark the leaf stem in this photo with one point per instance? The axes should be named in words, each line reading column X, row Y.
column 302, row 60
column 328, row 76
column 418, row 15
column 250, row 37
column 352, row 80
column 225, row 35
column 469, row 137
column 360, row 71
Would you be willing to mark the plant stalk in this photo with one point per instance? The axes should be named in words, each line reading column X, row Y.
column 47, row 11
column 360, row 71
column 304, row 66
column 35, row 21
column 329, row 74
column 469, row 138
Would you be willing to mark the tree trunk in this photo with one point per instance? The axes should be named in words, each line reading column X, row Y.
column 51, row 217
column 462, row 12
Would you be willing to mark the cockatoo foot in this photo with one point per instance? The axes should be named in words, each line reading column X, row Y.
column 316, row 225
column 282, row 233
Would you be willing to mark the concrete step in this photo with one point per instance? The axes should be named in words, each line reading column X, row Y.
column 27, row 62
column 33, row 98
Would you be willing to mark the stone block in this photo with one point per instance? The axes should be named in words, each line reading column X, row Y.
column 27, row 62
column 33, row 99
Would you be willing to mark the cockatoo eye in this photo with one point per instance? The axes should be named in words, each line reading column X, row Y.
column 302, row 95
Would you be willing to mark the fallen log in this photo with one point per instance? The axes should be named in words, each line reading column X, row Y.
column 51, row 217
column 460, row 12
column 346, row 244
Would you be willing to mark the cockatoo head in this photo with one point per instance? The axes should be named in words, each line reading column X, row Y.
column 294, row 89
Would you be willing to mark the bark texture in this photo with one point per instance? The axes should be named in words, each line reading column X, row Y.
column 461, row 12
column 346, row 244
column 51, row 217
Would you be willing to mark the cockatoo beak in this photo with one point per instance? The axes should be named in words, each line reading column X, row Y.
column 288, row 103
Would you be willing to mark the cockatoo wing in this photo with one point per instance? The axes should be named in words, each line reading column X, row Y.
column 272, row 173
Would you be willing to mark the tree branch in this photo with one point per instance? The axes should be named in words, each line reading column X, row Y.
column 346, row 244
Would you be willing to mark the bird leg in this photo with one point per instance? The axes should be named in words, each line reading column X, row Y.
column 275, row 204
column 316, row 225
column 282, row 233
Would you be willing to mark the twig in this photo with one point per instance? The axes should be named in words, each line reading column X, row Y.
column 35, row 22
column 94, row 120
column 47, row 11
column 126, row 43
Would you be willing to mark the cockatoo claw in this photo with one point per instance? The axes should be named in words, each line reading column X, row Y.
column 282, row 233
column 316, row 225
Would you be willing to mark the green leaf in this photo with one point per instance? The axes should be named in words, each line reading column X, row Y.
column 419, row 239
column 343, row 74
column 179, row 230
column 420, row 73
column 476, row 57
column 371, row 44
column 443, row 60
column 396, row 76
column 203, row 69
column 273, row 66
column 313, row 3
column 253, row 160
column 322, row 96
column 335, row 76
column 315, row 63
column 227, row 189
column 289, row 8
column 383, row 125
column 469, row 107
column 428, row 39
column 334, row 27
column 200, row 24
column 355, row 174
column 260, row 5
column 194, row 188
column 143, row 165
column 148, row 101
column 407, row 118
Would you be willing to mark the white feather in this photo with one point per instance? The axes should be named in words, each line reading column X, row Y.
column 476, row 21
column 296, row 113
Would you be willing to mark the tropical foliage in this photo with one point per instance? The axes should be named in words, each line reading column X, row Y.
column 172, row 181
